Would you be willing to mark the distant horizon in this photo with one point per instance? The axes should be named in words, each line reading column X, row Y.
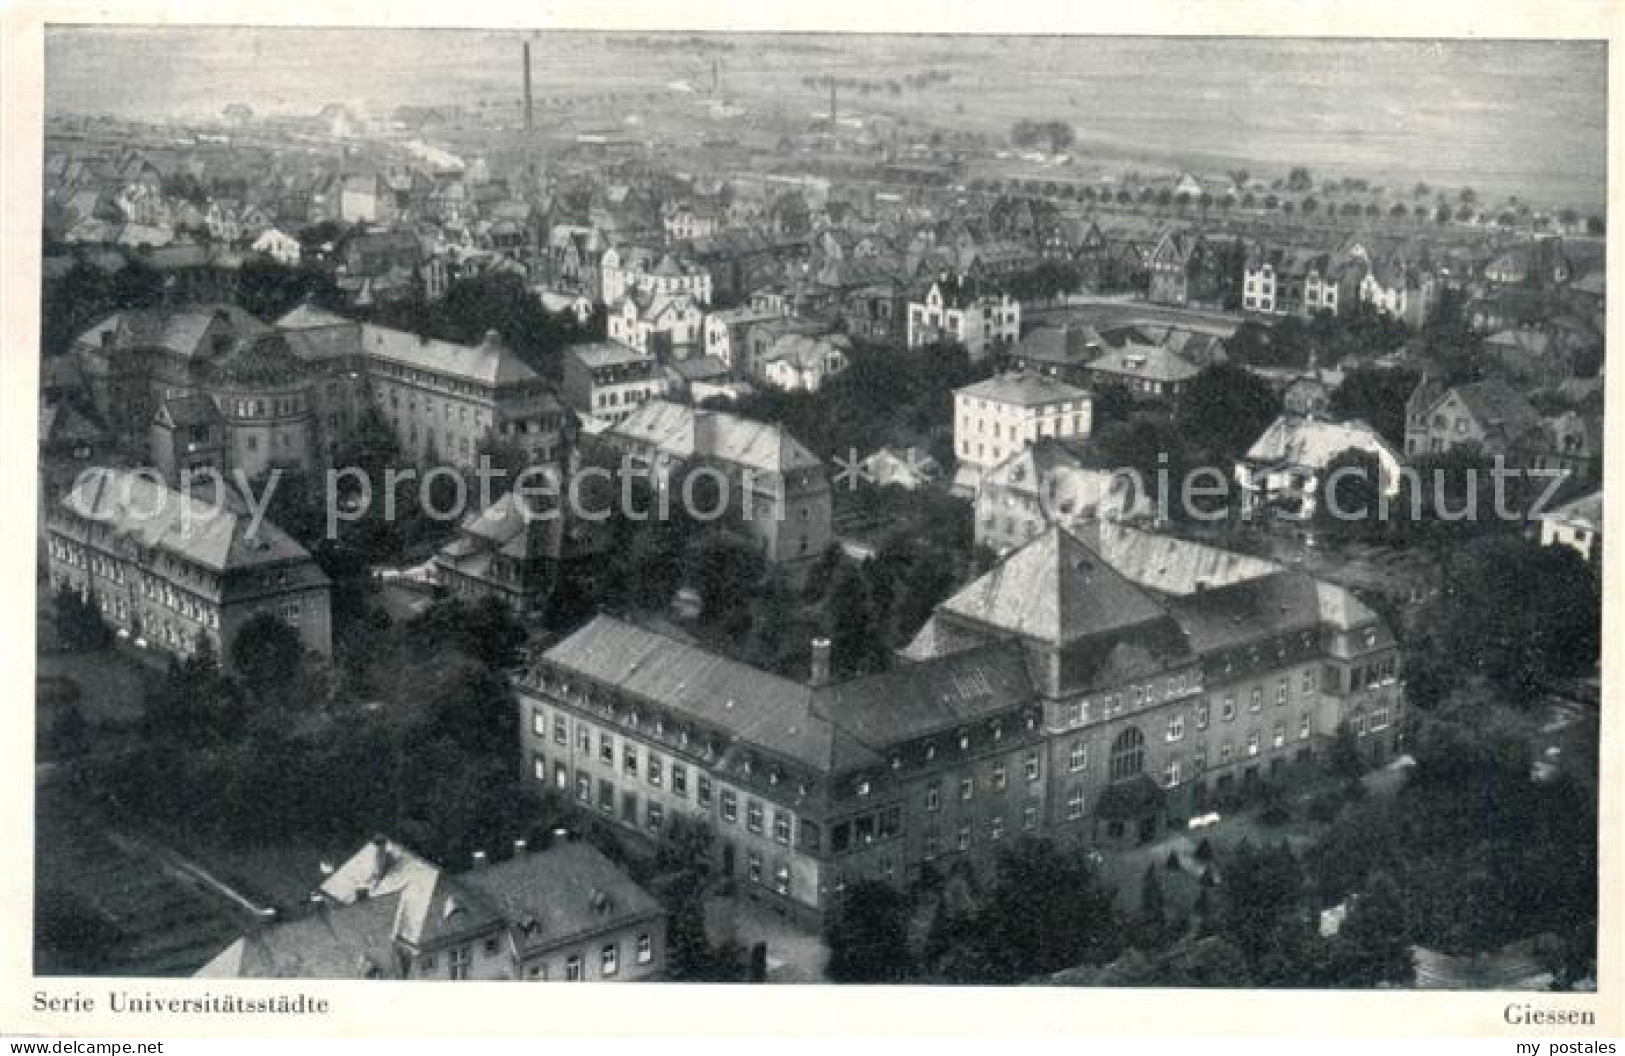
column 1525, row 118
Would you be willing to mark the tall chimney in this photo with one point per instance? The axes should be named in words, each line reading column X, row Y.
column 820, row 662
column 528, row 124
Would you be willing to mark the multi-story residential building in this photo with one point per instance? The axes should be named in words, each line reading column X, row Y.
column 877, row 314
column 778, row 488
column 168, row 568
column 573, row 259
column 727, row 332
column 664, row 325
column 1298, row 282
column 1171, row 264
column 565, row 914
column 997, row 417
column 517, row 549
column 1283, row 472
column 1540, row 262
column 1150, row 373
column 684, row 223
column 608, row 381
column 1488, row 414
column 639, row 269
column 1045, row 483
column 1092, row 688
column 1399, row 290
column 802, row 362
column 983, row 324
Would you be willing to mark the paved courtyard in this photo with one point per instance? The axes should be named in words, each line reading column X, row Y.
column 794, row 954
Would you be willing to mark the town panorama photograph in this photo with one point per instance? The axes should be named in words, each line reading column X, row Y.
column 1085, row 511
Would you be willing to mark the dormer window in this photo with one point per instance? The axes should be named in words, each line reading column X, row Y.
column 863, row 788
column 964, row 740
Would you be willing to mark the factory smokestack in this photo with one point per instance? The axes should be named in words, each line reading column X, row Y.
column 528, row 119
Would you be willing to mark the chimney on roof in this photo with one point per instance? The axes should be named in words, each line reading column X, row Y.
column 821, row 650
column 480, row 860
column 380, row 858
column 519, row 847
column 492, row 339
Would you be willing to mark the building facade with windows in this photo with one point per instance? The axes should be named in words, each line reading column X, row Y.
column 983, row 324
column 168, row 568
column 995, row 418
column 608, row 381
column 290, row 395
column 778, row 488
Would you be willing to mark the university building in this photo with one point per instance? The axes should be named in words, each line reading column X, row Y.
column 291, row 394
column 1094, row 687
column 166, row 568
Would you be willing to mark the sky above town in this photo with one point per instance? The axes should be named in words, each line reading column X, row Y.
column 1507, row 117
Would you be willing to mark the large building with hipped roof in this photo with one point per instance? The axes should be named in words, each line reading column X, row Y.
column 169, row 569
column 1097, row 685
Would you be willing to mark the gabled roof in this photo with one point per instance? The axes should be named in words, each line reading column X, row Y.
column 569, row 890
column 1497, row 407
column 180, row 332
column 1057, row 590
column 432, row 905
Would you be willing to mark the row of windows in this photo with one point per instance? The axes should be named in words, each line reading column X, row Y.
column 1078, row 711
column 459, row 959
column 931, row 845
column 656, row 771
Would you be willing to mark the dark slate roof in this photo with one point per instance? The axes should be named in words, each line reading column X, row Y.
column 552, row 896
column 759, row 708
column 1225, row 617
column 942, row 693
column 1498, row 407
column 183, row 411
